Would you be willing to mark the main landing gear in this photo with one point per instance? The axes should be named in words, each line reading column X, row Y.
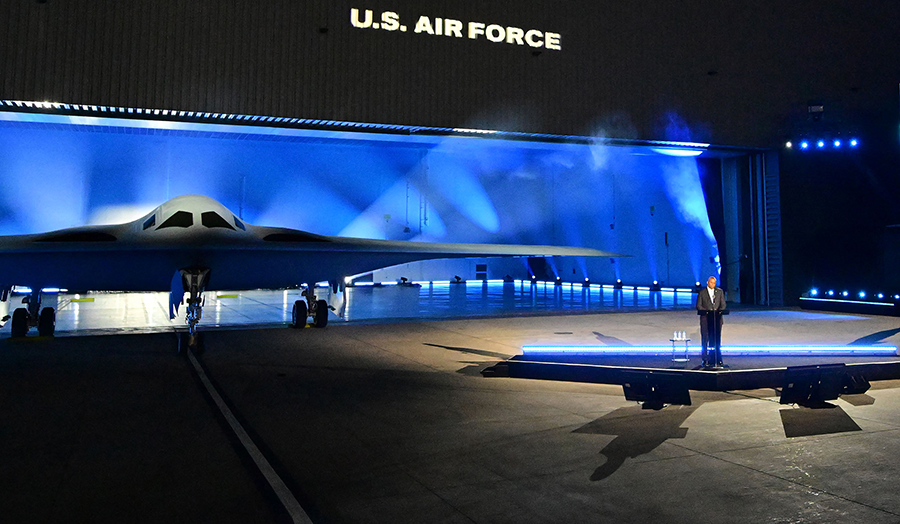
column 25, row 318
column 308, row 308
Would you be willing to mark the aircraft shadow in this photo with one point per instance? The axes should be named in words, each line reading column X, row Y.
column 823, row 420
column 876, row 337
column 471, row 351
column 474, row 369
column 610, row 341
column 638, row 431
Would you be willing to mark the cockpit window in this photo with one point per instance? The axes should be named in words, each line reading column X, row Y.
column 150, row 222
column 238, row 223
column 213, row 219
column 179, row 219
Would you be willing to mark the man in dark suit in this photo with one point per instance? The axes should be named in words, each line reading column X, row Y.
column 710, row 298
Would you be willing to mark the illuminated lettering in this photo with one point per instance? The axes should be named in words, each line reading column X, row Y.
column 530, row 38
column 424, row 25
column 354, row 18
column 514, row 35
column 475, row 29
column 495, row 33
column 453, row 28
column 552, row 41
column 390, row 21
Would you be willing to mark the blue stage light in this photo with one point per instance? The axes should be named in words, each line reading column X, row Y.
column 837, row 143
column 804, row 145
column 788, row 145
column 841, row 301
column 820, row 144
column 830, row 292
column 862, row 294
column 845, row 293
column 799, row 350
column 896, row 297
column 678, row 152
column 813, row 292
column 854, row 142
column 880, row 296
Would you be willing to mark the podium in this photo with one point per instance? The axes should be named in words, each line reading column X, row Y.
column 712, row 357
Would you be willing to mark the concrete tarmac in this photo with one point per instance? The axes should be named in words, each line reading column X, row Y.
column 392, row 422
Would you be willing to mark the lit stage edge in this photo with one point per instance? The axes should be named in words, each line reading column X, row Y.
column 731, row 351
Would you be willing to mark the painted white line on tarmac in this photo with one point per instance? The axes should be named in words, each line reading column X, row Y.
column 281, row 490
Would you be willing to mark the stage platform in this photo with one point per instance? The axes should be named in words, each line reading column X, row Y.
column 809, row 381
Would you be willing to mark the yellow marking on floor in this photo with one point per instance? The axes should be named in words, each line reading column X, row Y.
column 81, row 300
column 227, row 296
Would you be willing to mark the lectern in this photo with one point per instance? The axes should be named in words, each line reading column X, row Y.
column 712, row 357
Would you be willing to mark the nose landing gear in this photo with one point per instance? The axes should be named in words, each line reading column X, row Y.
column 193, row 281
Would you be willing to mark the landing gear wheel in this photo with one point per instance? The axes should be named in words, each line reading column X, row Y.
column 321, row 314
column 47, row 322
column 299, row 314
column 19, row 322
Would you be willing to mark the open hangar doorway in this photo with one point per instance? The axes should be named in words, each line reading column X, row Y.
column 681, row 211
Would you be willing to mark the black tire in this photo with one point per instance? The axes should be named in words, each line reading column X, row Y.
column 19, row 322
column 47, row 322
column 299, row 314
column 321, row 314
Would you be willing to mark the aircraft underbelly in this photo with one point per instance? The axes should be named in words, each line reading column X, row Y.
column 152, row 270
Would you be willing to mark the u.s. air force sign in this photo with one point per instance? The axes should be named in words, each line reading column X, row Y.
column 448, row 27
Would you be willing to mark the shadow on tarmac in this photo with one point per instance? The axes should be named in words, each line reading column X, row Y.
column 471, row 351
column 610, row 341
column 827, row 419
column 638, row 431
column 876, row 337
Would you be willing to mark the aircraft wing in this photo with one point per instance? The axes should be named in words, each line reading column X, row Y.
column 422, row 250
column 195, row 231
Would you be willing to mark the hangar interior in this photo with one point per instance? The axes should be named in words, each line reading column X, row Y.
column 754, row 141
column 679, row 212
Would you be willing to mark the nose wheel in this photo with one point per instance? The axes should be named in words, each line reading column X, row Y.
column 193, row 282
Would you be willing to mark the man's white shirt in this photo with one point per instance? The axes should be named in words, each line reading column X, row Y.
column 712, row 295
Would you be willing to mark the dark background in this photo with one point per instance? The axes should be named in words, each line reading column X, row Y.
column 737, row 73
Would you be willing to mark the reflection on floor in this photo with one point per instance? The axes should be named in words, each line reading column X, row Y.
column 149, row 311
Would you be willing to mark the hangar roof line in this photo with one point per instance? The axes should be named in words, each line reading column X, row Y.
column 181, row 120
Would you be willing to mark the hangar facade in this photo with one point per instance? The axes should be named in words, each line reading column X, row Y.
column 701, row 73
